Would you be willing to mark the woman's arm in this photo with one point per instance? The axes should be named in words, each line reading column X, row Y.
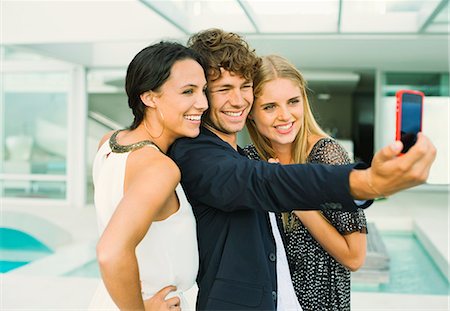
column 349, row 249
column 149, row 182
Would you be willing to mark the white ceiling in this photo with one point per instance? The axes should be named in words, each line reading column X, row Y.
column 404, row 35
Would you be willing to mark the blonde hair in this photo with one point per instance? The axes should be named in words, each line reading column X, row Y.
column 273, row 67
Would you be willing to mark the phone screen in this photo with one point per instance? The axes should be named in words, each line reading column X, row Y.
column 410, row 120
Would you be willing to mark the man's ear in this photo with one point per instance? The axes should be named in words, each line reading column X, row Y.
column 149, row 98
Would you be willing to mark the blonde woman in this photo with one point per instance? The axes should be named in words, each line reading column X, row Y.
column 322, row 246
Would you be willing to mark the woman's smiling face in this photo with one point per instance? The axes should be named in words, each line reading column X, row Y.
column 278, row 111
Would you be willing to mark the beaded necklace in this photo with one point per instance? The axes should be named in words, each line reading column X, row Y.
column 117, row 148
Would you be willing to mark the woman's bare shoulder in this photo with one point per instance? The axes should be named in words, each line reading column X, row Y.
column 150, row 160
column 105, row 138
column 312, row 141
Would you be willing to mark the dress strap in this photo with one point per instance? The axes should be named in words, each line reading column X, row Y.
column 117, row 148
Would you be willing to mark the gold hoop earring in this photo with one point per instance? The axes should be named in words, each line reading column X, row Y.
column 163, row 125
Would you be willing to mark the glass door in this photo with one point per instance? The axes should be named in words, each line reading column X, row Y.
column 43, row 104
column 35, row 134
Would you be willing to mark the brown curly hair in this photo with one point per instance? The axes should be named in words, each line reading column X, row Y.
column 225, row 50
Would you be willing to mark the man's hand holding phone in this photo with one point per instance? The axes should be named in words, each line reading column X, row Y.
column 390, row 173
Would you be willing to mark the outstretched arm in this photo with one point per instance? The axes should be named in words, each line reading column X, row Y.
column 215, row 175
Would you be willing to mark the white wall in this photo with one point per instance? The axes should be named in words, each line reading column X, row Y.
column 435, row 125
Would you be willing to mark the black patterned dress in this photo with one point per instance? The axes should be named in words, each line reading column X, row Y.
column 320, row 282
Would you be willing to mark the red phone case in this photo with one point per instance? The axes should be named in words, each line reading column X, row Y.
column 398, row 124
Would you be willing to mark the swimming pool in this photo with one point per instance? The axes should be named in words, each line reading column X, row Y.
column 412, row 270
column 18, row 249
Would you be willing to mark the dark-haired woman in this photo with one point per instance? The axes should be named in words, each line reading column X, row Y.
column 147, row 251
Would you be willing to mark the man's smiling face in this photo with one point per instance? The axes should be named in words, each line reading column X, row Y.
column 230, row 101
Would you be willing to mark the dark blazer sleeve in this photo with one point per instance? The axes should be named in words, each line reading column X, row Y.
column 214, row 174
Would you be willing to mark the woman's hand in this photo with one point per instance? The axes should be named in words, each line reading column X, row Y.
column 158, row 301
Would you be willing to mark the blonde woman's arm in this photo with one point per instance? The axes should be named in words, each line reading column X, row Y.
column 150, row 180
column 347, row 241
column 348, row 249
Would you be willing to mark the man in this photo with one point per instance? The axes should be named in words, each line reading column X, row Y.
column 231, row 194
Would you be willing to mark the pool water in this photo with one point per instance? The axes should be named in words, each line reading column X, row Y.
column 412, row 270
column 18, row 249
column 6, row 266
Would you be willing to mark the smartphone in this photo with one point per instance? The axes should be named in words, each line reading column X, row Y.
column 409, row 117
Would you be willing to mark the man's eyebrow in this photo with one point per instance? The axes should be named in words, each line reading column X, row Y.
column 222, row 86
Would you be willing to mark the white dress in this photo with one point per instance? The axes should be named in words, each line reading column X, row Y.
column 168, row 254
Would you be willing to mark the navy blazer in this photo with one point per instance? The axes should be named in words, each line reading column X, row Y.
column 230, row 196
